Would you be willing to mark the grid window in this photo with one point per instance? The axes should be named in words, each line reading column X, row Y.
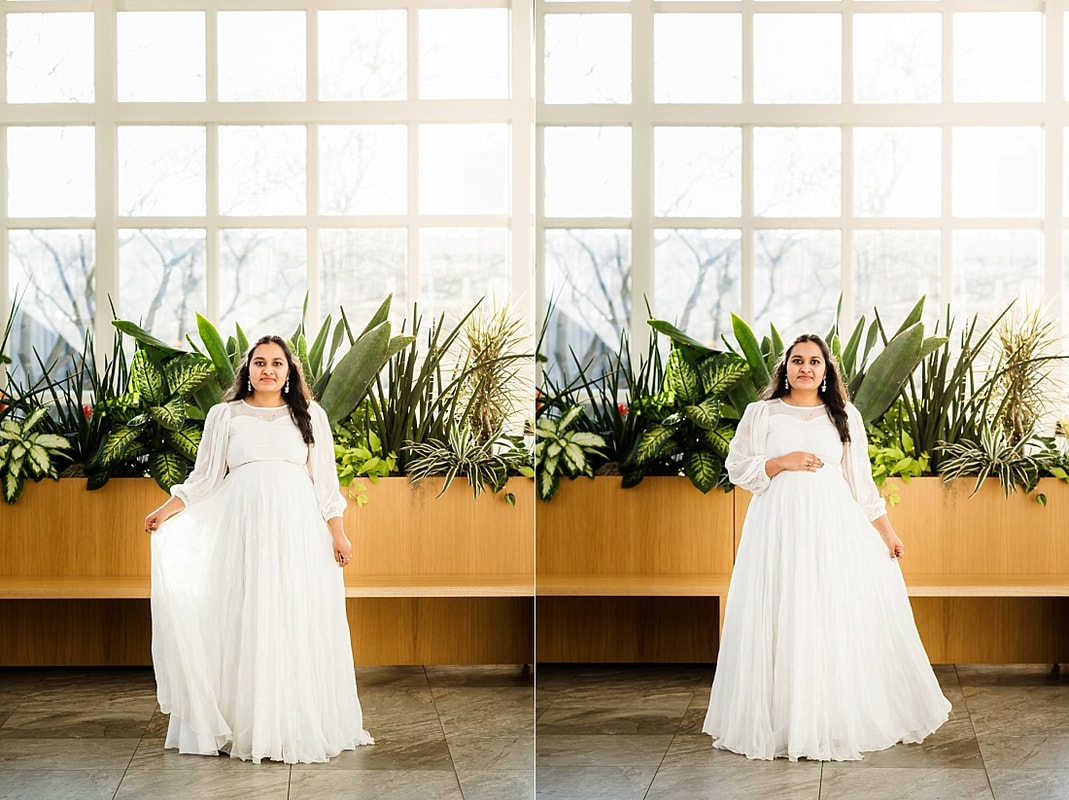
column 223, row 158
column 772, row 156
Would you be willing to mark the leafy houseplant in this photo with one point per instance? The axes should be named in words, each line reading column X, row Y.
column 691, row 418
column 560, row 451
column 159, row 421
column 26, row 454
column 356, row 448
column 993, row 453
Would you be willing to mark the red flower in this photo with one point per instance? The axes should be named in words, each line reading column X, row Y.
column 623, row 410
column 88, row 411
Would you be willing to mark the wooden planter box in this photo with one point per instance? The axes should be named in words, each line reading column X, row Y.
column 432, row 580
column 632, row 574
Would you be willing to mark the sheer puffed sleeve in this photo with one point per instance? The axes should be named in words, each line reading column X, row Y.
column 858, row 469
column 210, row 467
column 322, row 466
column 746, row 456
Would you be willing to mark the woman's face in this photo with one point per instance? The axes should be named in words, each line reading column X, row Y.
column 805, row 366
column 268, row 368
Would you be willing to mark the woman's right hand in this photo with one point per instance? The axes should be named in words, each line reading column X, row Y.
column 157, row 517
column 798, row 461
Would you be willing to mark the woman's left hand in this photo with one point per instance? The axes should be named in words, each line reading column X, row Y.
column 343, row 548
column 894, row 545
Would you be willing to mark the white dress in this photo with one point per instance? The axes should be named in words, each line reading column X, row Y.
column 819, row 656
column 250, row 640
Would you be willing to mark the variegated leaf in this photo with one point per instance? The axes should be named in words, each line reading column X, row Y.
column 188, row 373
column 651, row 444
column 167, row 468
column 146, row 378
column 171, row 416
column 185, row 441
column 117, row 444
column 681, row 378
column 702, row 467
column 705, row 415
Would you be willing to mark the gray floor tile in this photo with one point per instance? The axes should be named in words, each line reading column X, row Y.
column 400, row 712
column 368, row 676
column 66, row 754
column 1016, row 710
column 953, row 746
column 1011, row 675
column 94, row 784
column 592, row 783
column 563, row 719
column 154, row 784
column 599, row 751
column 151, row 754
column 506, row 753
column 480, row 711
column 391, row 754
column 696, row 750
column 479, row 675
column 784, row 781
column 879, row 783
column 374, row 785
column 1030, row 784
column 509, row 784
column 1042, row 751
column 70, row 724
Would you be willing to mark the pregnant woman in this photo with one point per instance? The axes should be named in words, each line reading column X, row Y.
column 250, row 641
column 820, row 656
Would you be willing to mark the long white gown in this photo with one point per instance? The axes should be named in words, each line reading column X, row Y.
column 250, row 640
column 819, row 656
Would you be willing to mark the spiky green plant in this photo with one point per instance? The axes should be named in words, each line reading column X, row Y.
column 485, row 464
column 992, row 453
column 1025, row 384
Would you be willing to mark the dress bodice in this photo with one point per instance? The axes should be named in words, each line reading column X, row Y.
column 792, row 428
column 263, row 434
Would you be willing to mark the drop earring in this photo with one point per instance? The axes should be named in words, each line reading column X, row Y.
column 286, row 387
column 786, row 384
column 824, row 384
column 248, row 385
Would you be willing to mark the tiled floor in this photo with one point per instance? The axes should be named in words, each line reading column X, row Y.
column 634, row 733
column 442, row 733
column 465, row 733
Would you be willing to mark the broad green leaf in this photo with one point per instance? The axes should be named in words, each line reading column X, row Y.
column 357, row 369
column 380, row 316
column 35, row 417
column 651, row 444
column 586, row 439
column 676, row 335
column 718, row 379
column 171, row 416
column 52, row 441
column 146, row 378
column 185, row 441
column 13, row 485
column 117, row 444
column 888, row 373
column 681, row 378
column 168, row 468
column 548, row 483
column 38, row 459
column 315, row 354
column 567, row 418
column 213, row 343
column 574, row 458
column 702, row 468
column 705, row 415
column 752, row 350
column 718, row 440
column 188, row 373
column 144, row 337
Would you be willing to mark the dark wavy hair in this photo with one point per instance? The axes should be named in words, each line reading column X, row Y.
column 299, row 396
column 834, row 396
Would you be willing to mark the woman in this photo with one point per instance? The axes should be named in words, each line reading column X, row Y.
column 249, row 635
column 819, row 656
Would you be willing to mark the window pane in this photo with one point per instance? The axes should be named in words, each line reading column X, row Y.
column 588, row 58
column 261, row 55
column 588, row 172
column 697, row 58
column 797, row 172
column 161, row 56
column 991, row 268
column 588, row 275
column 998, row 57
column 360, row 267
column 161, row 275
column 698, row 172
column 363, row 169
column 463, row 53
column 262, row 169
column 459, row 266
column 697, row 280
column 50, row 172
column 362, row 55
column 897, row 58
column 53, row 273
column 50, row 58
column 896, row 172
column 797, row 281
column 892, row 269
column 797, row 58
column 997, row 172
column 463, row 169
column 262, row 278
column 161, row 171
